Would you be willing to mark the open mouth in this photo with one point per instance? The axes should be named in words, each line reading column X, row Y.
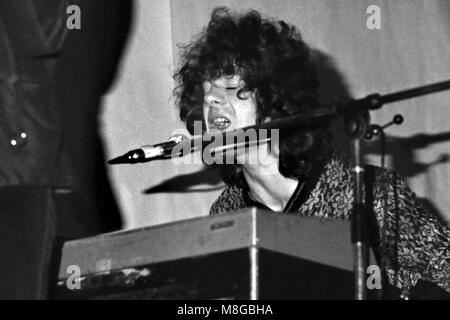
column 219, row 118
column 221, row 122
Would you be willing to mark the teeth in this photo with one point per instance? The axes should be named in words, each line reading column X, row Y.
column 221, row 122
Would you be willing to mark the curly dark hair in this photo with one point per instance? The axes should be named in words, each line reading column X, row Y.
column 275, row 63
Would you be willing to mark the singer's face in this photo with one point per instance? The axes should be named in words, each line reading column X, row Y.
column 222, row 108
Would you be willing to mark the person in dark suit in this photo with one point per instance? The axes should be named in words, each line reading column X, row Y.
column 53, row 183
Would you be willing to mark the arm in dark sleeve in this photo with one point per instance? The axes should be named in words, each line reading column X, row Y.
column 36, row 27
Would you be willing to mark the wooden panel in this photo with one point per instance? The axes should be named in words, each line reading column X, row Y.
column 321, row 240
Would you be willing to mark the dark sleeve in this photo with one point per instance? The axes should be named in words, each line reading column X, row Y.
column 37, row 27
column 414, row 243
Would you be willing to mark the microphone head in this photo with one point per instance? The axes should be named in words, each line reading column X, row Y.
column 152, row 152
column 118, row 160
column 131, row 157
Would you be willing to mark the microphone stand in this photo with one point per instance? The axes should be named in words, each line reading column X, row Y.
column 356, row 119
column 377, row 130
column 356, row 122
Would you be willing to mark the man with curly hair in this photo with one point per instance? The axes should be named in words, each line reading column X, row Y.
column 244, row 70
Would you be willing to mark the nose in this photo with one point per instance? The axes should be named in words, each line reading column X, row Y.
column 214, row 97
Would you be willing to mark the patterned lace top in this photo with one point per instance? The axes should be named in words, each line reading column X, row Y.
column 412, row 243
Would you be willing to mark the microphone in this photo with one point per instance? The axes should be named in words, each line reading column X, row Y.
column 149, row 152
